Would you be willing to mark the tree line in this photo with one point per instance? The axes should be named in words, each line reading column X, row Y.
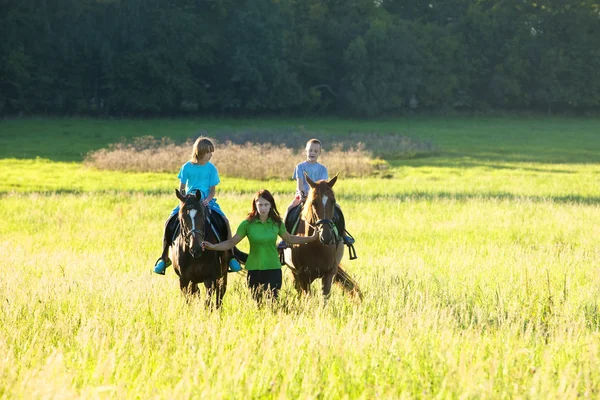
column 263, row 57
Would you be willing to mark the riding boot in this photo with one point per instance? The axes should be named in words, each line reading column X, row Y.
column 340, row 223
column 291, row 223
column 234, row 265
column 161, row 265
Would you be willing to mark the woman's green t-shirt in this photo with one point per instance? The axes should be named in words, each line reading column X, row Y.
column 262, row 236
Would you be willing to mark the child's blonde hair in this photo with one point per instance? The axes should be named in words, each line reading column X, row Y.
column 313, row 141
column 202, row 146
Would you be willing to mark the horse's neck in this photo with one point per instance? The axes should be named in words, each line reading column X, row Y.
column 306, row 218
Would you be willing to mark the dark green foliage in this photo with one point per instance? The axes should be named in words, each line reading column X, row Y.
column 251, row 71
column 357, row 58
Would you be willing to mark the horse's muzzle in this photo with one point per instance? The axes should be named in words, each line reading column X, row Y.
column 326, row 238
column 327, row 235
column 196, row 252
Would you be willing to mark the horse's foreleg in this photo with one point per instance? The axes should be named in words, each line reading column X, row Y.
column 194, row 289
column 210, row 290
column 221, row 288
column 301, row 283
column 187, row 288
column 327, row 281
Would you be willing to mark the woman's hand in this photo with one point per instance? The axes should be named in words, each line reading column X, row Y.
column 208, row 245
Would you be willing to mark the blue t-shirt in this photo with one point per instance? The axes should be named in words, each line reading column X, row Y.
column 198, row 177
column 315, row 171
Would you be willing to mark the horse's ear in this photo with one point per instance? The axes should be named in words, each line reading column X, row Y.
column 333, row 180
column 179, row 195
column 198, row 195
column 311, row 183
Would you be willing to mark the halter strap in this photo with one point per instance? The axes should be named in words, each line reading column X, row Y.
column 326, row 221
column 193, row 232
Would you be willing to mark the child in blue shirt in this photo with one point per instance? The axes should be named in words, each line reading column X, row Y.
column 316, row 172
column 198, row 174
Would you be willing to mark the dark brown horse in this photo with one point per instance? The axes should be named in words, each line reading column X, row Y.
column 321, row 258
column 190, row 261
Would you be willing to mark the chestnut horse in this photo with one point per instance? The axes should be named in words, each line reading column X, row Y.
column 321, row 258
column 190, row 261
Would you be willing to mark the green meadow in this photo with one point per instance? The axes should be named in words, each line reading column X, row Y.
column 479, row 268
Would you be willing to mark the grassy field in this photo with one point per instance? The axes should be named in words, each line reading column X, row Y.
column 479, row 268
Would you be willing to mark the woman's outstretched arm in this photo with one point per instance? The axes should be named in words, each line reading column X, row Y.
column 294, row 239
column 223, row 246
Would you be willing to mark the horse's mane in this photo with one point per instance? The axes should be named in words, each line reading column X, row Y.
column 321, row 189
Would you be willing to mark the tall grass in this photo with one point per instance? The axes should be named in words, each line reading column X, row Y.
column 249, row 160
column 479, row 298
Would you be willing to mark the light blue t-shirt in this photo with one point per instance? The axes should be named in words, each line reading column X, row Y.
column 198, row 177
column 315, row 171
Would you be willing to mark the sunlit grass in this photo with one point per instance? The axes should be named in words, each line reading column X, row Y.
column 559, row 182
column 481, row 296
column 479, row 269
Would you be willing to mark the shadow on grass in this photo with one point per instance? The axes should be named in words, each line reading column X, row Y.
column 463, row 197
column 462, row 163
column 429, row 141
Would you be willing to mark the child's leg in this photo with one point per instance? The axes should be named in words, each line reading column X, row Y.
column 234, row 265
column 227, row 225
column 340, row 223
column 295, row 203
column 163, row 262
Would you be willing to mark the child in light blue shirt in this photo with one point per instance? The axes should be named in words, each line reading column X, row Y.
column 198, row 174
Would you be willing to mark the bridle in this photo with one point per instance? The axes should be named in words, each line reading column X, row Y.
column 189, row 234
column 324, row 221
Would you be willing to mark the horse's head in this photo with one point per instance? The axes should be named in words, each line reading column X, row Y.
column 191, row 219
column 320, row 208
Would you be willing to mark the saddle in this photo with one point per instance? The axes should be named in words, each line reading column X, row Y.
column 216, row 223
column 292, row 218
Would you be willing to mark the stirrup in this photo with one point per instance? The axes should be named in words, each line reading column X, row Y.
column 281, row 256
column 351, row 252
column 349, row 241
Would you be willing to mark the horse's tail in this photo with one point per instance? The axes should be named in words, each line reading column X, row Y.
column 347, row 282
